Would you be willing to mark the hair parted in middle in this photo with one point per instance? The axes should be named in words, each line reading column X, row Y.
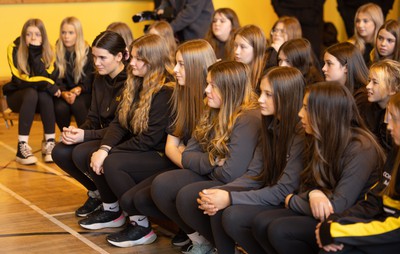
column 188, row 100
column 138, row 92
column 231, row 80
column 335, row 123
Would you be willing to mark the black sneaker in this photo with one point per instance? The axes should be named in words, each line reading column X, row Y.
column 24, row 154
column 91, row 205
column 103, row 219
column 180, row 239
column 132, row 235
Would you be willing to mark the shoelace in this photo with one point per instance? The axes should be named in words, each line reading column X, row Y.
column 25, row 149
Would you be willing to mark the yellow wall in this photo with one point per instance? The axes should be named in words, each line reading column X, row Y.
column 95, row 16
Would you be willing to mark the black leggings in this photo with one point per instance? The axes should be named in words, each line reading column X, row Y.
column 237, row 221
column 64, row 111
column 27, row 102
column 275, row 227
column 123, row 171
column 81, row 156
column 208, row 226
column 62, row 156
column 164, row 191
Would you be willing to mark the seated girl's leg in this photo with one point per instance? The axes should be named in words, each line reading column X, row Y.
column 124, row 169
column 62, row 156
column 62, row 112
column 297, row 232
column 237, row 222
column 24, row 101
column 165, row 188
column 80, row 108
column 188, row 210
column 46, row 110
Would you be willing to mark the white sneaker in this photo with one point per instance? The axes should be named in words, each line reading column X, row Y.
column 47, row 148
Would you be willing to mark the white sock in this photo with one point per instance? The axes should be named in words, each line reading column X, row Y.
column 112, row 207
column 49, row 136
column 197, row 238
column 23, row 138
column 141, row 220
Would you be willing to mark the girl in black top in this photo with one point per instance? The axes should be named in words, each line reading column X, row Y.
column 341, row 159
column 373, row 224
column 73, row 154
column 133, row 147
column 74, row 73
column 31, row 89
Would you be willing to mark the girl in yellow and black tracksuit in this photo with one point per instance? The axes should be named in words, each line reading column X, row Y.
column 373, row 225
column 31, row 88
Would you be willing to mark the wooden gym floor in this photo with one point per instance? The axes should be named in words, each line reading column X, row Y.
column 38, row 204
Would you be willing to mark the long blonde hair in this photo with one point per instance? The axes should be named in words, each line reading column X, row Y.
column 188, row 103
column 375, row 14
column 216, row 125
column 139, row 91
column 81, row 49
column 23, row 53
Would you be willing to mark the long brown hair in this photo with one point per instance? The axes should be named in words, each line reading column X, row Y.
column 188, row 100
column 348, row 55
column 216, row 125
column 288, row 85
column 22, row 53
column 139, row 91
column 235, row 24
column 255, row 37
column 335, row 123
column 393, row 27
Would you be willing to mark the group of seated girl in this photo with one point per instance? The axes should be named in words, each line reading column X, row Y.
column 266, row 154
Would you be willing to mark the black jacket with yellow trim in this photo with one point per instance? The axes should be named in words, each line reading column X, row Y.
column 40, row 76
column 375, row 220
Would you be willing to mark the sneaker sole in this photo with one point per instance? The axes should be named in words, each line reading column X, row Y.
column 28, row 161
column 148, row 239
column 48, row 159
column 180, row 244
column 86, row 214
column 112, row 224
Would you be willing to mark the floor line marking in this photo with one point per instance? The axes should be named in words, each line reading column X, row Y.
column 54, row 220
column 43, row 165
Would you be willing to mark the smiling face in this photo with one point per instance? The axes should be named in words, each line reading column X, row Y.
column 365, row 27
column 333, row 69
column 179, row 69
column 266, row 99
column 214, row 99
column 139, row 67
column 221, row 27
column 244, row 52
column 385, row 43
column 33, row 36
column 377, row 89
column 68, row 36
column 105, row 62
column 304, row 115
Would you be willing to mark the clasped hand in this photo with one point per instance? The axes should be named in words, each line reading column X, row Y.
column 72, row 135
column 213, row 200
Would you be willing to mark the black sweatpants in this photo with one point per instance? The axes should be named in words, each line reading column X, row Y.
column 62, row 156
column 29, row 101
column 164, row 191
column 124, row 170
column 64, row 111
